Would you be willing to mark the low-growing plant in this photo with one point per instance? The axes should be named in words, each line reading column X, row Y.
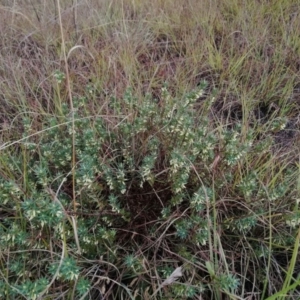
column 149, row 150
column 148, row 187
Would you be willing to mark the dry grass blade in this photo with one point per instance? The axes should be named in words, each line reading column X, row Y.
column 173, row 277
column 177, row 273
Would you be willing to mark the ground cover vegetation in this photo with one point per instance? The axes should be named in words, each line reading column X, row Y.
column 149, row 149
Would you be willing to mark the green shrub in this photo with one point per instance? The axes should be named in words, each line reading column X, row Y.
column 151, row 181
